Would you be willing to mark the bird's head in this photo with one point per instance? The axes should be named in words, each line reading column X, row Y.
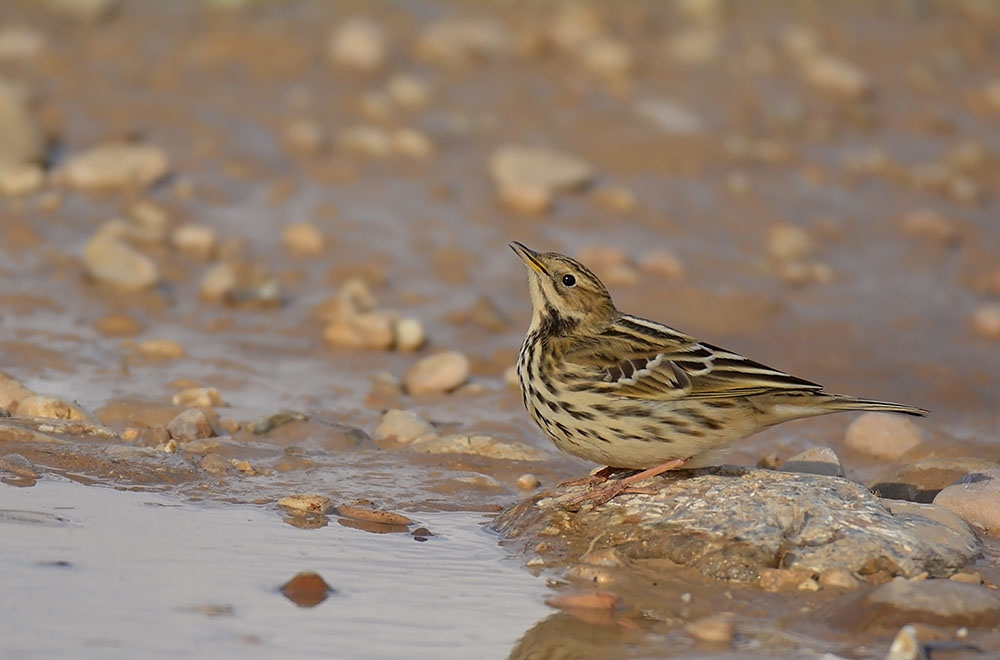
column 565, row 296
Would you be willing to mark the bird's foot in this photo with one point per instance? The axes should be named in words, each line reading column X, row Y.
column 598, row 477
column 598, row 496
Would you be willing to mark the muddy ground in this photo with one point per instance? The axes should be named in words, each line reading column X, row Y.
column 810, row 184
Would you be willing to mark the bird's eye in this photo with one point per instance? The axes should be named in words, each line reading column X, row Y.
column 569, row 280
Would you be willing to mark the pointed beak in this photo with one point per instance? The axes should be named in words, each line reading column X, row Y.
column 529, row 257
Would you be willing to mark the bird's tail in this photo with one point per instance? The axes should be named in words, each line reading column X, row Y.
column 839, row 402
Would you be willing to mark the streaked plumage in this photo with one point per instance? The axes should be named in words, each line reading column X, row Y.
column 628, row 392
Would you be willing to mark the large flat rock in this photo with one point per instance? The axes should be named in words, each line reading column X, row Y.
column 730, row 523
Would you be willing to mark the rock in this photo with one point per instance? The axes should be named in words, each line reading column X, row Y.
column 22, row 179
column 192, row 424
column 412, row 143
column 368, row 330
column 528, row 481
column 409, row 334
column 198, row 397
column 161, row 349
column 788, row 243
column 906, row 646
column 50, row 407
column 194, row 239
column 267, row 423
column 661, row 263
column 358, row 43
column 986, row 320
column 670, row 116
column 526, row 198
column 303, row 239
column 934, row 602
column 975, row 497
column 816, row 460
column 307, row 503
column 366, row 140
column 306, row 136
column 882, row 435
column 838, row 578
column 402, row 427
column 607, row 56
column 697, row 45
column 21, row 139
column 18, row 466
column 459, row 42
column 407, row 91
column 931, row 511
column 18, row 42
column 307, row 589
column 154, row 436
column 215, row 464
column 922, row 480
column 118, row 325
column 716, row 629
column 219, row 282
column 775, row 579
column 442, row 372
column 110, row 260
column 12, row 393
column 836, row 75
column 479, row 445
column 553, row 171
column 615, row 198
column 931, row 226
column 732, row 523
column 111, row 166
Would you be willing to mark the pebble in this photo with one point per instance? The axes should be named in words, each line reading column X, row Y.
column 267, row 423
column 694, row 45
column 780, row 579
column 198, row 397
column 194, row 239
column 149, row 222
column 932, row 226
column 372, row 330
column 409, row 334
column 836, row 75
column 110, row 260
column 482, row 481
column 219, row 282
column 986, row 320
column 922, row 480
column 411, row 143
column 358, row 43
column 12, row 392
column 607, row 56
column 50, row 407
column 163, row 349
column 815, row 460
column 19, row 466
column 603, row 257
column 154, row 436
column 715, row 629
column 407, row 91
column 514, row 166
column 307, row 503
column 303, row 239
column 22, row 141
column 403, row 427
column 192, row 424
column 112, row 166
column 307, row 589
column 460, row 42
column 367, row 140
column 526, row 198
column 20, row 42
column 528, row 481
column 975, row 498
column 906, row 646
column 365, row 510
column 935, row 602
column 442, row 372
column 479, row 445
column 615, row 198
column 215, row 464
column 21, row 179
column 661, row 263
column 882, row 435
column 838, row 578
column 306, row 136
column 789, row 242
column 670, row 116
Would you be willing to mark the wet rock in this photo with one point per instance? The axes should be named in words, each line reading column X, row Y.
column 931, row 226
column 732, row 523
column 519, row 167
column 882, row 435
column 303, row 239
column 528, row 481
column 194, row 239
column 198, row 397
column 307, row 589
column 154, row 436
column 21, row 179
column 267, row 423
column 986, row 320
column 906, row 646
column 816, row 460
column 12, row 393
column 372, row 330
column 479, row 445
column 716, row 629
column 110, row 260
column 409, row 334
column 670, row 116
column 775, row 579
column 307, row 503
column 192, row 424
column 364, row 510
column 402, row 427
column 976, row 498
column 18, row 466
column 21, row 139
column 526, row 198
column 50, row 407
column 442, row 372
column 460, row 42
column 113, row 166
column 161, row 349
column 215, row 464
column 219, row 282
column 358, row 43
column 931, row 511
column 935, row 602
column 838, row 578
column 789, row 242
column 922, row 480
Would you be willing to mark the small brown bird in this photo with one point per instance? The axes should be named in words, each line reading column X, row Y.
column 631, row 393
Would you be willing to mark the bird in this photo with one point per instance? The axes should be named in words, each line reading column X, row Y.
column 634, row 394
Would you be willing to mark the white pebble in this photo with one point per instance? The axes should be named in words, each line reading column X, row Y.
column 442, row 372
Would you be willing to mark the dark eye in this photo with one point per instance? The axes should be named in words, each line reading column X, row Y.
column 569, row 280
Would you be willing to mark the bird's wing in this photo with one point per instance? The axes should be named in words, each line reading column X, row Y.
column 646, row 360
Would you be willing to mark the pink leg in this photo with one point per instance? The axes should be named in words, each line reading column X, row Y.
column 598, row 477
column 599, row 496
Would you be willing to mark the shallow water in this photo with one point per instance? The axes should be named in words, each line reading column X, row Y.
column 93, row 572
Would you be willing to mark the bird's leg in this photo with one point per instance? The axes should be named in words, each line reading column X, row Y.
column 598, row 477
column 599, row 496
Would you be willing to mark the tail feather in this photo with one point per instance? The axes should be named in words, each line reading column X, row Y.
column 838, row 402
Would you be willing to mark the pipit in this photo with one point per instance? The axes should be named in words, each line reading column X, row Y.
column 631, row 393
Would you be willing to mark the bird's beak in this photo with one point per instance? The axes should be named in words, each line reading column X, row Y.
column 529, row 257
